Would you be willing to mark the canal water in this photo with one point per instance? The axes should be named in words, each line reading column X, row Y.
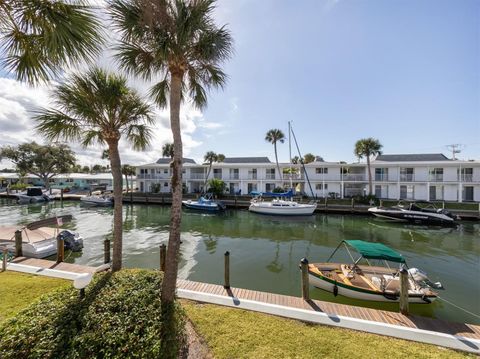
column 265, row 251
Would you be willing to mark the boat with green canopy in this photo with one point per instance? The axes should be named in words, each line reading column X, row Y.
column 374, row 275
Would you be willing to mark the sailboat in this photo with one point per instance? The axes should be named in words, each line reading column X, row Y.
column 283, row 203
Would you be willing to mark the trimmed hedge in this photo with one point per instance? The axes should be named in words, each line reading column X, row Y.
column 119, row 317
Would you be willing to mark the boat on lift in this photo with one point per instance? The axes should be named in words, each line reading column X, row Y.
column 96, row 200
column 371, row 282
column 33, row 195
column 205, row 203
column 417, row 212
column 39, row 240
column 282, row 205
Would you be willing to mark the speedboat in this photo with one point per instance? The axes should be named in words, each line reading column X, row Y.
column 420, row 212
column 379, row 283
column 281, row 205
column 97, row 200
column 205, row 204
column 40, row 241
column 33, row 194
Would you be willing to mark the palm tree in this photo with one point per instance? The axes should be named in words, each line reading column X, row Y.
column 309, row 158
column 367, row 147
column 167, row 150
column 209, row 158
column 99, row 107
column 179, row 42
column 273, row 136
column 128, row 170
column 40, row 38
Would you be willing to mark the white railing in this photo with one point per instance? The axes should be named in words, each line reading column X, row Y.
column 436, row 177
column 252, row 176
column 270, row 176
column 153, row 176
column 234, row 176
column 466, row 178
column 217, row 175
column 197, row 175
column 353, row 177
column 382, row 177
column 407, row 177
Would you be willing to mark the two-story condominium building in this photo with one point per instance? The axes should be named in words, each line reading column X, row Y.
column 416, row 176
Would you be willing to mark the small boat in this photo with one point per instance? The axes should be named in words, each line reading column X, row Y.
column 95, row 200
column 205, row 203
column 33, row 194
column 371, row 282
column 419, row 212
column 40, row 241
column 282, row 205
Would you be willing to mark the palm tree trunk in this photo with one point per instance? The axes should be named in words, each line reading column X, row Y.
column 276, row 160
column 171, row 263
column 206, row 178
column 117, row 208
column 126, row 181
column 369, row 176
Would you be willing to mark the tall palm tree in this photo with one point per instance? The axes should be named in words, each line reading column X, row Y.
column 273, row 136
column 367, row 147
column 99, row 107
column 128, row 170
column 211, row 157
column 179, row 42
column 40, row 38
column 167, row 150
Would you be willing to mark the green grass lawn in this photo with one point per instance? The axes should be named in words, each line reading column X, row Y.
column 18, row 290
column 235, row 333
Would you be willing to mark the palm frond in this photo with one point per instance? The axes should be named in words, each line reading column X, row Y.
column 159, row 92
column 139, row 136
column 92, row 137
column 55, row 125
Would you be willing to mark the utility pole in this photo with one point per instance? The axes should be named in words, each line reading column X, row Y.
column 455, row 148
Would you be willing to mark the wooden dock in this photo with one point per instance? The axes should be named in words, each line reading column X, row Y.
column 380, row 316
column 46, row 264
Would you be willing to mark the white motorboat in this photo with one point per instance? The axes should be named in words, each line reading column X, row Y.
column 205, row 204
column 33, row 194
column 40, row 241
column 419, row 212
column 97, row 200
column 282, row 207
column 369, row 282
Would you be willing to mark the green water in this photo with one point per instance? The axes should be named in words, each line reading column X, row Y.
column 265, row 251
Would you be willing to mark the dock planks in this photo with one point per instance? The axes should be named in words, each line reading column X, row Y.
column 46, row 264
column 375, row 315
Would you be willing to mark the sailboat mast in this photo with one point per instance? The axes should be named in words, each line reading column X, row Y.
column 290, row 152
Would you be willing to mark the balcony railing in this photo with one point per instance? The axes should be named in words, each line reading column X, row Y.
column 466, row 178
column 353, row 177
column 153, row 176
column 197, row 175
column 252, row 176
column 407, row 177
column 234, row 176
column 382, row 177
column 270, row 176
column 217, row 175
column 436, row 177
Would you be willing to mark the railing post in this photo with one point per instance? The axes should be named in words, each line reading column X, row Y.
column 305, row 283
column 404, row 291
column 163, row 256
column 4, row 259
column 106, row 251
column 18, row 243
column 227, row 270
column 60, row 249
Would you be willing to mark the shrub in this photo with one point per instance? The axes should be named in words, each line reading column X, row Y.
column 217, row 186
column 278, row 190
column 19, row 186
column 120, row 317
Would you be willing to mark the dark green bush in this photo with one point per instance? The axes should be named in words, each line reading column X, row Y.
column 120, row 317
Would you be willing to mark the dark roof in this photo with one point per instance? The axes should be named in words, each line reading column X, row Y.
column 167, row 160
column 246, row 160
column 413, row 157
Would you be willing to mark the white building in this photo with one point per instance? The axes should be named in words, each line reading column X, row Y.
column 416, row 176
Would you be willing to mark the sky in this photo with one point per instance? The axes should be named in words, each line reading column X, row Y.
column 404, row 72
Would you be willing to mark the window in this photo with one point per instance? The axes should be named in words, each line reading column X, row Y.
column 252, row 174
column 381, row 174
column 436, row 174
column 251, row 187
column 233, row 173
column 270, row 173
column 407, row 174
column 269, row 187
column 467, row 193
column 51, row 180
column 165, row 184
column 319, row 186
column 321, row 170
column 407, row 192
column 465, row 174
column 143, row 171
column 436, row 193
column 217, row 173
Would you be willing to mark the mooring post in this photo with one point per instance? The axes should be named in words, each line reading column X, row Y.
column 353, row 202
column 60, row 249
column 443, row 204
column 61, row 194
column 404, row 291
column 4, row 259
column 227, row 270
column 163, row 256
column 381, row 203
column 18, row 243
column 106, row 251
column 305, row 284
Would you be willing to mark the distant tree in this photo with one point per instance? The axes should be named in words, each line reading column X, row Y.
column 99, row 107
column 297, row 160
column 44, row 161
column 273, row 136
column 308, row 158
column 211, row 157
column 167, row 150
column 367, row 147
column 128, row 170
column 216, row 186
column 85, row 169
column 40, row 38
column 97, row 168
column 77, row 168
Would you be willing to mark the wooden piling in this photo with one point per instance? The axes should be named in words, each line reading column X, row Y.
column 163, row 256
column 4, row 259
column 404, row 291
column 60, row 249
column 353, row 203
column 18, row 243
column 227, row 270
column 106, row 251
column 61, row 194
column 305, row 283
column 381, row 203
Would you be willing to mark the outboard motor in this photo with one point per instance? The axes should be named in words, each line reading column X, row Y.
column 421, row 278
column 71, row 240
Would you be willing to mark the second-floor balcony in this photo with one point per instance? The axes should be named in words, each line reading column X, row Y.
column 154, row 176
column 197, row 175
column 436, row 178
column 407, row 177
column 354, row 177
column 234, row 176
column 217, row 175
column 383, row 178
column 270, row 176
column 252, row 176
column 466, row 178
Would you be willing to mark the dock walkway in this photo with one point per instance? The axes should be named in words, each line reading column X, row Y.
column 46, row 264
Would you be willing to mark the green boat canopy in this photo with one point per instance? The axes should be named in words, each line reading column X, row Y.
column 375, row 251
